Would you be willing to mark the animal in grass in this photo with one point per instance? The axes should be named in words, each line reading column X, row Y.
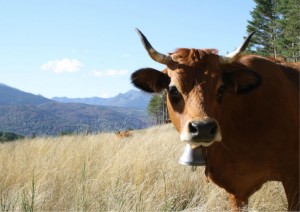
column 241, row 109
column 123, row 134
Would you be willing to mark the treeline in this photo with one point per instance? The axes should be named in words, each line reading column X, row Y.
column 277, row 29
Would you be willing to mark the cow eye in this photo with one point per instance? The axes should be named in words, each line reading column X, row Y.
column 174, row 93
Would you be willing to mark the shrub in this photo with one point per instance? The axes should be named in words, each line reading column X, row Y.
column 9, row 136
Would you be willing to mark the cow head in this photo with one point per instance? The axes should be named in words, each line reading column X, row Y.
column 196, row 81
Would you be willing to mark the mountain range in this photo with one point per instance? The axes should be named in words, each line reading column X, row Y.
column 131, row 99
column 28, row 114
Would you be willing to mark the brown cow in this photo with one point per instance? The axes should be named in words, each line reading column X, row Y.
column 241, row 109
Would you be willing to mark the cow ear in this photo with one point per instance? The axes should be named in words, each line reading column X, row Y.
column 150, row 80
column 241, row 81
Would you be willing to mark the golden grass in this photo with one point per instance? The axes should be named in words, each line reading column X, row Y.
column 103, row 173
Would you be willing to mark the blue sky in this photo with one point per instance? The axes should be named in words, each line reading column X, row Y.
column 90, row 48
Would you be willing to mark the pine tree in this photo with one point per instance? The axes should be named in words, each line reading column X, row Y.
column 157, row 108
column 276, row 23
column 289, row 24
column 154, row 108
column 264, row 23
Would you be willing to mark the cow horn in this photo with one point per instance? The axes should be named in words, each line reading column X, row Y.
column 231, row 57
column 155, row 55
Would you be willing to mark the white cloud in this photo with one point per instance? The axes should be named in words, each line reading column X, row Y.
column 64, row 65
column 109, row 73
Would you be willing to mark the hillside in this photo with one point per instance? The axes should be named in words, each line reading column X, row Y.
column 103, row 173
column 28, row 114
column 131, row 99
column 13, row 96
column 54, row 118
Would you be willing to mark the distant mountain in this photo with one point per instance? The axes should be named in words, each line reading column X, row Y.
column 131, row 99
column 9, row 96
column 28, row 114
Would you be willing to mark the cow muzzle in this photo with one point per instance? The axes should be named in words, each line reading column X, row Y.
column 201, row 132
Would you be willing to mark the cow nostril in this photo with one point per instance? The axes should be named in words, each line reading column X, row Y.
column 204, row 130
column 193, row 128
column 213, row 130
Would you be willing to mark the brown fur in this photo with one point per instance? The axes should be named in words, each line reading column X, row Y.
column 123, row 134
column 258, row 116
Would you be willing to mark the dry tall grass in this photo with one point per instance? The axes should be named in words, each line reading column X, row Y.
column 103, row 173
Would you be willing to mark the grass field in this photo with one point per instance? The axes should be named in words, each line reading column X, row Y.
column 104, row 173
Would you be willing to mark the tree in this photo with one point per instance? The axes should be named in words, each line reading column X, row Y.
column 289, row 37
column 276, row 23
column 157, row 108
column 264, row 23
column 154, row 107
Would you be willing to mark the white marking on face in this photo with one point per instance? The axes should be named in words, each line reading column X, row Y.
column 172, row 84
